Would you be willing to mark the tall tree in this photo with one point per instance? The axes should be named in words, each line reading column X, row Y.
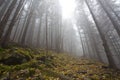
column 107, row 9
column 28, row 20
column 105, row 44
column 4, row 8
column 6, row 37
column 4, row 20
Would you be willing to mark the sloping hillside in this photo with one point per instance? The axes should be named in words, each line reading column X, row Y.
column 28, row 64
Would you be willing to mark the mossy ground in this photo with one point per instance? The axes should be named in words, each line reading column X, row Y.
column 39, row 65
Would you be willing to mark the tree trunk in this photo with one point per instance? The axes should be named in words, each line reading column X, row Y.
column 4, row 8
column 1, row 2
column 46, row 32
column 6, row 17
column 107, row 10
column 39, row 31
column 106, row 47
column 6, row 38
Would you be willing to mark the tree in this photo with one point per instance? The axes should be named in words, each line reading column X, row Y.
column 105, row 44
column 4, row 20
column 108, row 11
column 6, row 37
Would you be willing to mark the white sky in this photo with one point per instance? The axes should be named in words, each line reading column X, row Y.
column 68, row 7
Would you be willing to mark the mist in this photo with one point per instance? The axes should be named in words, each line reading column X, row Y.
column 88, row 29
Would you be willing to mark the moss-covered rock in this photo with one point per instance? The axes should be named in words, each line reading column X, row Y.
column 15, row 56
column 15, row 59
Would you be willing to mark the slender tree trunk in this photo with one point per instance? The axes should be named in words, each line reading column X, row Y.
column 31, row 31
column 6, row 38
column 107, row 10
column 16, row 30
column 84, row 54
column 6, row 17
column 26, row 28
column 109, row 5
column 46, row 32
column 4, row 8
column 105, row 44
column 39, row 32
column 89, row 30
column 27, row 22
column 1, row 2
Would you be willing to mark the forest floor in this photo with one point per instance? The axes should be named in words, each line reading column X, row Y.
column 18, row 63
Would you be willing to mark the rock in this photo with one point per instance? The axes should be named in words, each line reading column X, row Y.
column 14, row 58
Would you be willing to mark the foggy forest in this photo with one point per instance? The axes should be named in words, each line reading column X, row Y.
column 59, row 39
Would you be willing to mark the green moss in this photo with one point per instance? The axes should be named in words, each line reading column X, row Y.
column 39, row 65
column 15, row 56
column 50, row 73
column 31, row 64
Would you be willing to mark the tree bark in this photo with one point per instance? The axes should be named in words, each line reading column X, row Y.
column 6, row 17
column 107, row 10
column 6, row 38
column 105, row 44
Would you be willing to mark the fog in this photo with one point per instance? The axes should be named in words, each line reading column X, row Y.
column 84, row 28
